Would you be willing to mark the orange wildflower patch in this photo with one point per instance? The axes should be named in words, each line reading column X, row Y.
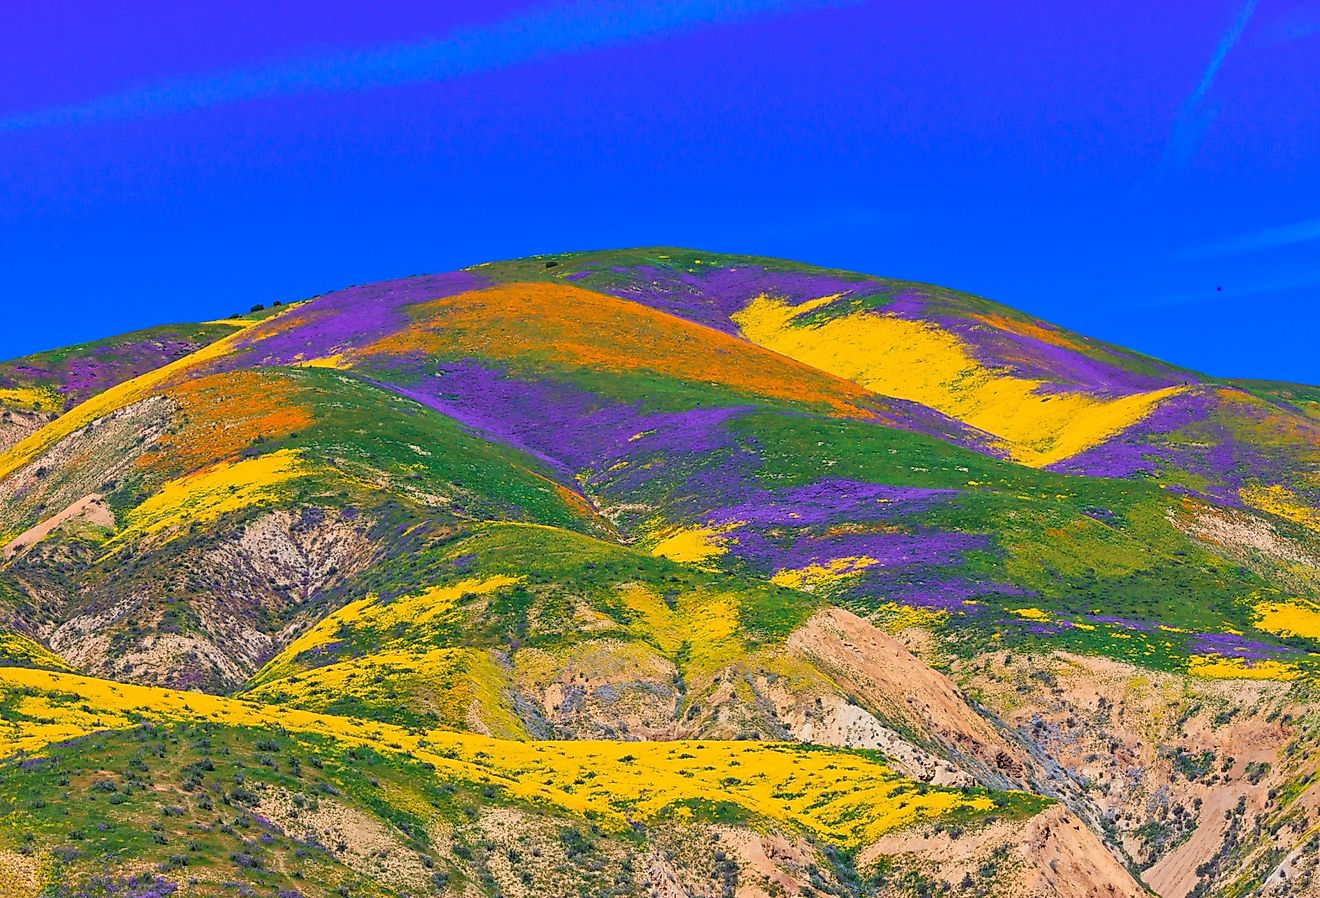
column 223, row 414
column 1032, row 331
column 573, row 500
column 570, row 326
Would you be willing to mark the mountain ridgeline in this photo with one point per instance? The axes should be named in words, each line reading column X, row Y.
column 653, row 572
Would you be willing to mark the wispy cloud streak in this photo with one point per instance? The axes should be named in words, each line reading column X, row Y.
column 541, row 34
column 1296, row 21
column 1255, row 241
column 1283, row 283
column 1195, row 116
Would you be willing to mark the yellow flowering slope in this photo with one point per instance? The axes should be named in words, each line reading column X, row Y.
column 817, row 576
column 922, row 362
column 431, row 606
column 1217, row 667
column 1280, row 501
column 40, row 399
column 1288, row 618
column 692, row 544
column 212, row 492
column 461, row 686
column 844, row 797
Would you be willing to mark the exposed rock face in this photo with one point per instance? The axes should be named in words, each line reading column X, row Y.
column 1054, row 854
column 17, row 424
column 357, row 840
column 212, row 615
column 94, row 459
column 1184, row 772
column 868, row 662
column 90, row 510
column 604, row 689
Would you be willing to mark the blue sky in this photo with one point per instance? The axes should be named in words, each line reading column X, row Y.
column 1142, row 172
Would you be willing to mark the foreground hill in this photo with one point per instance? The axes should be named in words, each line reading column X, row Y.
column 659, row 572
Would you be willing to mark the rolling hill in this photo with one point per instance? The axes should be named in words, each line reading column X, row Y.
column 653, row 572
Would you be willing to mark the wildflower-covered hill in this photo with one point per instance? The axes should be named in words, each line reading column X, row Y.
column 654, row 572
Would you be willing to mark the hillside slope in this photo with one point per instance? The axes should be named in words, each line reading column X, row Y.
column 951, row 598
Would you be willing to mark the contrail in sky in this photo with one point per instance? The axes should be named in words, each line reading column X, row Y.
column 1194, row 116
column 536, row 35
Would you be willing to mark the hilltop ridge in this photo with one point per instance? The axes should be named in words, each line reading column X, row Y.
column 949, row 598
